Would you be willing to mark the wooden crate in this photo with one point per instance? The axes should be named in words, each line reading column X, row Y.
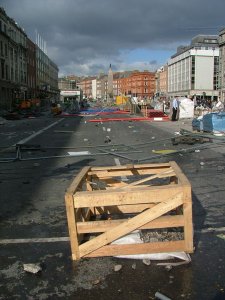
column 160, row 198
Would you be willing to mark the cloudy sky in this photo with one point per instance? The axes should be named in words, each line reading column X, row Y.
column 84, row 36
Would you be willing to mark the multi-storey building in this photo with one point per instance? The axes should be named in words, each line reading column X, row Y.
column 5, row 86
column 110, row 83
column 193, row 70
column 163, row 80
column 46, row 75
column 222, row 64
column 101, row 86
column 86, row 87
column 31, row 69
column 69, row 82
column 13, row 55
column 25, row 70
column 139, row 84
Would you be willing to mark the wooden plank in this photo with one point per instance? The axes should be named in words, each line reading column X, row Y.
column 130, row 225
column 136, row 195
column 160, row 247
column 181, row 177
column 188, row 227
column 126, row 185
column 130, row 166
column 167, row 173
column 89, row 188
column 117, row 173
column 114, row 183
column 77, row 180
column 118, row 209
column 71, row 220
column 102, row 226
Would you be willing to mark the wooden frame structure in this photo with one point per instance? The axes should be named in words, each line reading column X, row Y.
column 152, row 206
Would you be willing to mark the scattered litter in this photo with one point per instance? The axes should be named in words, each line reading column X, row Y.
column 32, row 268
column 153, row 137
column 133, row 266
column 79, row 153
column 221, row 236
column 161, row 296
column 218, row 134
column 117, row 268
column 177, row 133
column 108, row 129
column 130, row 126
column 197, row 151
column 103, row 128
column 97, row 281
column 168, row 267
column 146, row 262
column 220, row 168
column 85, row 122
column 107, row 140
column 85, row 140
column 36, row 164
column 165, row 151
column 202, row 163
column 190, row 140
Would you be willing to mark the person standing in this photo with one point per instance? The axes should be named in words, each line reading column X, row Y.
column 175, row 108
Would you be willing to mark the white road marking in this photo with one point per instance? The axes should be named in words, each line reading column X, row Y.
column 67, row 239
column 37, row 133
column 117, row 162
column 34, row 240
column 79, row 153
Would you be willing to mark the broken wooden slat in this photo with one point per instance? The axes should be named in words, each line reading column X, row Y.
column 132, row 249
column 102, row 226
column 120, row 197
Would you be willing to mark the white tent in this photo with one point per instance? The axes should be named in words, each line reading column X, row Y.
column 186, row 108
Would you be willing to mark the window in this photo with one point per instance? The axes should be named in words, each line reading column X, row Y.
column 1, row 48
column 2, row 68
column 6, row 50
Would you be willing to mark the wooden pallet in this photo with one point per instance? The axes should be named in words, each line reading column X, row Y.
column 156, row 195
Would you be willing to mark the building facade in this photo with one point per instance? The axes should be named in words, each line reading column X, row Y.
column 86, row 87
column 110, row 83
column 26, row 71
column 139, row 84
column 13, row 64
column 46, row 76
column 194, row 69
column 222, row 64
column 31, row 69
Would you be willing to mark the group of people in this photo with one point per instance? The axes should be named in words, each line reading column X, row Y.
column 215, row 107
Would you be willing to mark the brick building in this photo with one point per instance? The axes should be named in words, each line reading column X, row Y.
column 140, row 84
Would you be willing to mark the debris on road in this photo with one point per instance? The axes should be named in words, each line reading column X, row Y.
column 161, row 296
column 146, row 262
column 32, row 268
column 117, row 268
column 190, row 140
column 122, row 221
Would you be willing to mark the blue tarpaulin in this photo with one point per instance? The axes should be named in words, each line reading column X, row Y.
column 214, row 122
column 210, row 122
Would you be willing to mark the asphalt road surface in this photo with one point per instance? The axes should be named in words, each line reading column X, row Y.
column 33, row 224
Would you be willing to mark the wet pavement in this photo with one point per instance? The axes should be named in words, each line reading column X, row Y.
column 32, row 207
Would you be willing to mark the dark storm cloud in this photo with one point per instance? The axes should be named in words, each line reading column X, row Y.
column 83, row 34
